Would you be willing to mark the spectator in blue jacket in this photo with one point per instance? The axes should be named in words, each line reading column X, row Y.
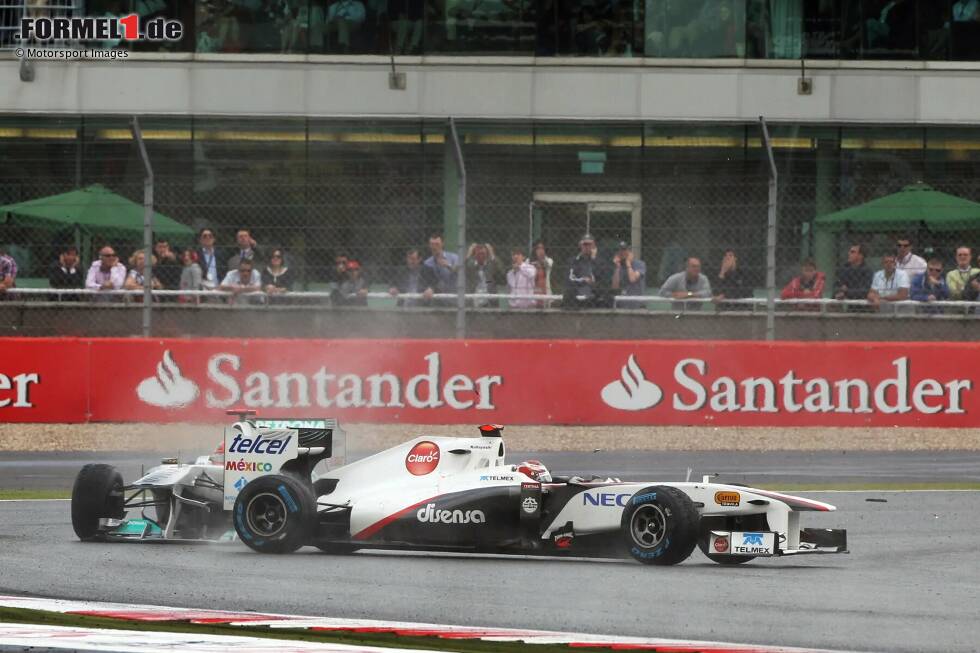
column 930, row 286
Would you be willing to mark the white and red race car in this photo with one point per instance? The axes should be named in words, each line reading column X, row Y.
column 459, row 494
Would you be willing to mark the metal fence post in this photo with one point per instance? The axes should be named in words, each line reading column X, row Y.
column 770, row 238
column 461, row 233
column 147, row 231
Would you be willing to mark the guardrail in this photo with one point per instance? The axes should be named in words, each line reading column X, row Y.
column 207, row 299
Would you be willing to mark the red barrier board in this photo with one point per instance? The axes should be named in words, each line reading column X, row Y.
column 518, row 382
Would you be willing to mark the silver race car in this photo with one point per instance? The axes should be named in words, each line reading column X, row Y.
column 436, row 493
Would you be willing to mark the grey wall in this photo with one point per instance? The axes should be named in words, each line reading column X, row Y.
column 503, row 88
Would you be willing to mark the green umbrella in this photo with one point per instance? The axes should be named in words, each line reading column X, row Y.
column 95, row 208
column 918, row 204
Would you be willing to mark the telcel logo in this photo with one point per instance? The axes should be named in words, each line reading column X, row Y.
column 430, row 515
column 259, row 445
column 607, row 499
column 423, row 458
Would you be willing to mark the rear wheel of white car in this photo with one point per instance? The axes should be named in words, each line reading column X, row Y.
column 97, row 494
column 274, row 514
column 660, row 526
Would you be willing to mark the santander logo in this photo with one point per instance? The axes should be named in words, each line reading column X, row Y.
column 423, row 458
column 633, row 391
column 168, row 389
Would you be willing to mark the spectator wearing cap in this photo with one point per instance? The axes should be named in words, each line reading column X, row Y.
column 413, row 279
column 243, row 280
column 930, row 286
column 906, row 261
column 889, row 283
column 689, row 284
column 484, row 274
column 277, row 277
column 353, row 289
column 247, row 249
column 521, row 279
column 808, row 285
column 209, row 258
column 8, row 272
column 629, row 276
column 107, row 273
column 66, row 273
column 587, row 277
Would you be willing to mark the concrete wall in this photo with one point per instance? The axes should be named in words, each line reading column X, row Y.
column 314, row 322
column 501, row 88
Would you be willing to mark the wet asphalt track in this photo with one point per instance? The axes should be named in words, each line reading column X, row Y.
column 912, row 582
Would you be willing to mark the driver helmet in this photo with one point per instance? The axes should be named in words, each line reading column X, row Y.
column 536, row 470
column 218, row 457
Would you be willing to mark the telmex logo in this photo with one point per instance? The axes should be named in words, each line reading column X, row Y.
column 751, row 538
column 605, row 499
column 702, row 390
column 423, row 458
column 429, row 515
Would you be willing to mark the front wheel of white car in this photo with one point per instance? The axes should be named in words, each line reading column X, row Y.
column 660, row 525
column 275, row 514
column 97, row 494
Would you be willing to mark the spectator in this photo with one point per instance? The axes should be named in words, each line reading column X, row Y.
column 854, row 279
column 957, row 279
column 209, row 258
column 906, row 261
column 191, row 277
column 65, row 273
column 587, row 277
column 483, row 274
column 242, row 280
column 353, row 290
column 443, row 265
column 629, row 276
column 8, row 272
column 730, row 283
column 542, row 270
column 521, row 279
column 687, row 284
column 276, row 278
column 107, row 273
column 247, row 248
column 413, row 279
column 889, row 284
column 340, row 268
column 809, row 285
column 166, row 267
column 136, row 279
column 930, row 286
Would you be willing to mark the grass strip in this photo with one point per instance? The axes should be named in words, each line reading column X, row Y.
column 24, row 495
column 387, row 640
column 870, row 487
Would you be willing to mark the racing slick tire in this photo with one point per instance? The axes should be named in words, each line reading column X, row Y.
column 709, row 524
column 97, row 494
column 275, row 514
column 660, row 525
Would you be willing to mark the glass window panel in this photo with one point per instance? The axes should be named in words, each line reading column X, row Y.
column 488, row 26
column 821, row 29
column 593, row 28
column 965, row 30
column 708, row 29
column 774, row 29
column 888, row 29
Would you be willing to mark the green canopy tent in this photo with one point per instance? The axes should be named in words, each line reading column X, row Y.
column 913, row 208
column 94, row 210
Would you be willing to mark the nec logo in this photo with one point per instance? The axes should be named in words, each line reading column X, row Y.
column 751, row 538
column 259, row 445
column 607, row 499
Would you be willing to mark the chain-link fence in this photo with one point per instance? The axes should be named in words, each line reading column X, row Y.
column 351, row 207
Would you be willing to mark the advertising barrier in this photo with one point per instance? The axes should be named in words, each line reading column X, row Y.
column 720, row 383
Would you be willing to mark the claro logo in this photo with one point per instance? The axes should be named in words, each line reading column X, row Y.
column 429, row 515
column 701, row 390
column 423, row 458
column 21, row 386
